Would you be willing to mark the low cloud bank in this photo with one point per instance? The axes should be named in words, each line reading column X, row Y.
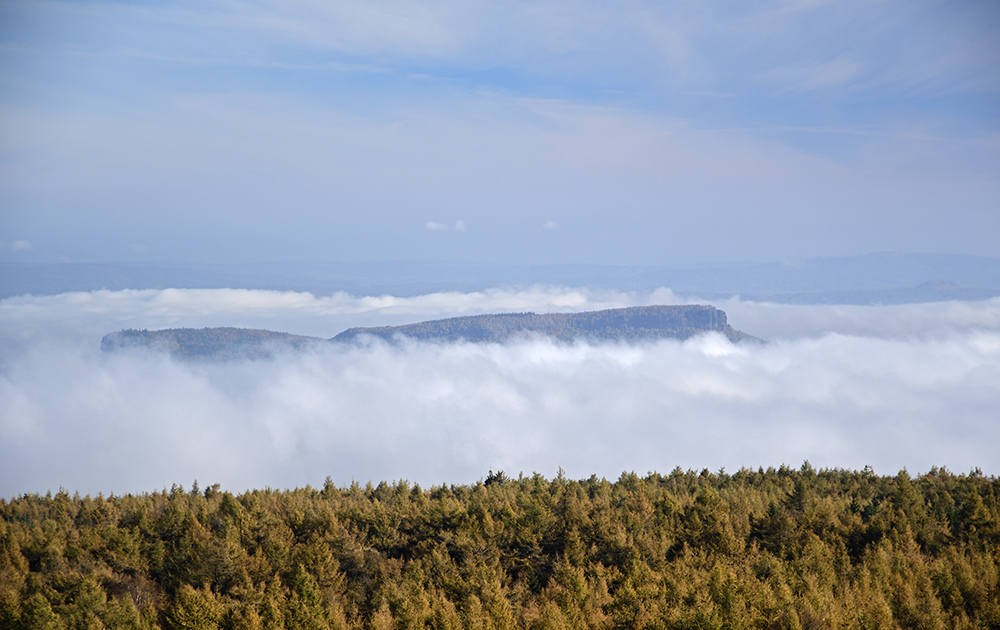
column 912, row 386
column 902, row 321
column 79, row 314
column 93, row 312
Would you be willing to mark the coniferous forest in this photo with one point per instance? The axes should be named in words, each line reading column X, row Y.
column 775, row 548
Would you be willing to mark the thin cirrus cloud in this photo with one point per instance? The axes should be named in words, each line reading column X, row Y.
column 838, row 391
column 642, row 159
column 817, row 76
column 778, row 129
column 17, row 246
column 435, row 226
column 691, row 42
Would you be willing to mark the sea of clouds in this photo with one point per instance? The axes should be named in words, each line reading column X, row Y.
column 909, row 386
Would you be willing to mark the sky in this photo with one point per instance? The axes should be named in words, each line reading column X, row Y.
column 908, row 386
column 546, row 131
column 502, row 132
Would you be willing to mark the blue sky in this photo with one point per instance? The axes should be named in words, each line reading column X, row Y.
column 597, row 132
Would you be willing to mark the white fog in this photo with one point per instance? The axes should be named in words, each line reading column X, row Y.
column 909, row 386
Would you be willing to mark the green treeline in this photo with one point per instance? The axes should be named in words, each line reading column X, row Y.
column 769, row 548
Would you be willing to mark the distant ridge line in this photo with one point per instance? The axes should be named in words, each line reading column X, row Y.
column 629, row 324
column 878, row 278
column 207, row 343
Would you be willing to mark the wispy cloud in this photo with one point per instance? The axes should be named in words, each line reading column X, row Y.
column 435, row 226
column 416, row 112
column 682, row 44
column 838, row 73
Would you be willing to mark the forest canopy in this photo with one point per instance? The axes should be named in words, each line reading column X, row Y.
column 774, row 548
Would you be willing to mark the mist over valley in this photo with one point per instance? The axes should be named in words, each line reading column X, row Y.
column 911, row 385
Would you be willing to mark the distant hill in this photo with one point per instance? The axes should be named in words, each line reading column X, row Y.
column 879, row 278
column 620, row 324
column 208, row 343
column 935, row 291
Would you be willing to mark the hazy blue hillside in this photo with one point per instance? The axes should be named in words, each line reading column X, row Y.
column 205, row 343
column 940, row 291
column 628, row 324
column 621, row 324
column 871, row 279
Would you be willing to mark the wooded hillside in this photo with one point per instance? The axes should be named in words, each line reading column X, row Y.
column 756, row 549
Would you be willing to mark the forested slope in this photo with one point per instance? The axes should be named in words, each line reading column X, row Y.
column 755, row 549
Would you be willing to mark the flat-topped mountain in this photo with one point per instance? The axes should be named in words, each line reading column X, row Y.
column 208, row 343
column 636, row 323
column 618, row 324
